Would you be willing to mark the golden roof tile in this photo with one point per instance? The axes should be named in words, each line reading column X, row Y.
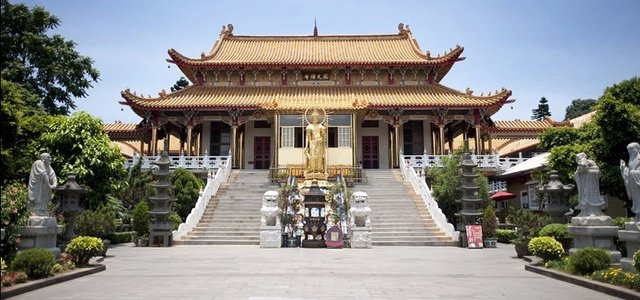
column 399, row 49
column 534, row 126
column 329, row 97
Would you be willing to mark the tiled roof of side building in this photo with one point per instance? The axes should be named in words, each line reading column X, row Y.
column 526, row 125
column 301, row 97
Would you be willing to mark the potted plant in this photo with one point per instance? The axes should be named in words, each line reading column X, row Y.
column 282, row 175
column 527, row 226
column 489, row 226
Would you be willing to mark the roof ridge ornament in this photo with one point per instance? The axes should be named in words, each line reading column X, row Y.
column 403, row 29
column 227, row 30
column 315, row 27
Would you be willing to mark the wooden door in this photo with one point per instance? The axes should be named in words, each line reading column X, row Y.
column 370, row 152
column 261, row 152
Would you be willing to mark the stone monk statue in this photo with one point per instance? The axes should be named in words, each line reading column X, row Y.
column 587, row 178
column 315, row 147
column 631, row 177
column 42, row 180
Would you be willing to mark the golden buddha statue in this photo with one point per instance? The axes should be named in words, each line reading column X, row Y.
column 315, row 149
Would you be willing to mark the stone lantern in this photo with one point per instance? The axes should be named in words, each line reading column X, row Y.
column 468, row 213
column 556, row 195
column 70, row 194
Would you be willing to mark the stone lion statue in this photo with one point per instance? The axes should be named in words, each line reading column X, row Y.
column 360, row 210
column 270, row 211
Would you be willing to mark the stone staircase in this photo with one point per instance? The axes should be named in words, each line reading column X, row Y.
column 232, row 216
column 398, row 215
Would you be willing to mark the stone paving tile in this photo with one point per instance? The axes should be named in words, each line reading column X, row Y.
column 248, row 272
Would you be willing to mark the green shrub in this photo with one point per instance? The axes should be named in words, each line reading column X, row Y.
column 121, row 237
column 35, row 262
column 489, row 223
column 559, row 232
column 617, row 276
column 546, row 248
column 527, row 223
column 100, row 223
column 186, row 190
column 506, row 235
column 175, row 220
column 83, row 248
column 15, row 213
column 141, row 219
column 636, row 261
column 588, row 260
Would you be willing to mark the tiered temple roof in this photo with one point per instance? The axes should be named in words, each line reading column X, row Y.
column 388, row 50
column 331, row 97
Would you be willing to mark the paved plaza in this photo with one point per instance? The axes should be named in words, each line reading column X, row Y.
column 248, row 272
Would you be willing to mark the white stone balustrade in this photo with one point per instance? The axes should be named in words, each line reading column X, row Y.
column 492, row 161
column 204, row 162
column 420, row 187
column 214, row 180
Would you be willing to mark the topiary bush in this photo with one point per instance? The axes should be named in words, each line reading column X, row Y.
column 489, row 223
column 121, row 237
column 636, row 261
column 546, row 248
column 83, row 248
column 506, row 235
column 141, row 219
column 35, row 262
column 559, row 232
column 588, row 260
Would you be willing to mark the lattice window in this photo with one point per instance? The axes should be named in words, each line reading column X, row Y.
column 344, row 136
column 287, row 137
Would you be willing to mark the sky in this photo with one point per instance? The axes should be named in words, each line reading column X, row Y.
column 561, row 50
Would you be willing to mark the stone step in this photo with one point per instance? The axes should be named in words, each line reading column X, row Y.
column 217, row 242
column 223, row 237
column 414, row 243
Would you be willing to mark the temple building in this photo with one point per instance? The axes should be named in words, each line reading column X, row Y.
column 249, row 95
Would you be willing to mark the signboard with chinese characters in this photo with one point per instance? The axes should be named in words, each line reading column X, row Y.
column 474, row 236
column 315, row 76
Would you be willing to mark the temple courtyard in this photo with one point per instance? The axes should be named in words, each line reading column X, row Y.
column 248, row 272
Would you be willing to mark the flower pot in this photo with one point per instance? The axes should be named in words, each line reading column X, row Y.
column 522, row 248
column 292, row 242
column 490, row 242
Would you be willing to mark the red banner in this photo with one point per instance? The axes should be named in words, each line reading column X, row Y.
column 474, row 236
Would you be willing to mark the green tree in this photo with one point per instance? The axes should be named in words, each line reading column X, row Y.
column 180, row 84
column 46, row 65
column 542, row 110
column 136, row 186
column 77, row 143
column 616, row 124
column 579, row 107
column 445, row 185
column 186, row 189
column 22, row 126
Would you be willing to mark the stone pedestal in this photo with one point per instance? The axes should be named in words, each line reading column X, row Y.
column 631, row 235
column 594, row 231
column 41, row 232
column 361, row 237
column 270, row 236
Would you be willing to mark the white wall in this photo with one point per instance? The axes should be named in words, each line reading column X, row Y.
column 288, row 156
column 339, row 156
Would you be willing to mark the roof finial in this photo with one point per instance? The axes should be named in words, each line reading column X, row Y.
column 315, row 27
